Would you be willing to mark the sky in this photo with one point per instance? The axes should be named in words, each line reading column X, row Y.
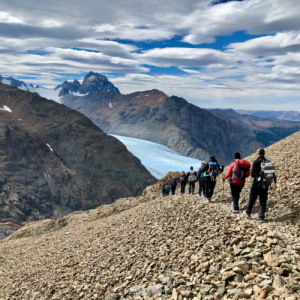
column 214, row 53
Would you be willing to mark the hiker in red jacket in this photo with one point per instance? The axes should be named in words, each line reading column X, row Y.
column 238, row 171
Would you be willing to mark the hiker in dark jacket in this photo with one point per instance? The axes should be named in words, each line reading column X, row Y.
column 163, row 189
column 192, row 178
column 256, row 188
column 209, row 178
column 183, row 178
column 173, row 185
column 167, row 189
column 200, row 177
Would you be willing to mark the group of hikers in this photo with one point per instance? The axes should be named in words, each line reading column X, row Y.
column 262, row 172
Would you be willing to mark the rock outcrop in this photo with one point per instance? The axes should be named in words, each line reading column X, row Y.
column 170, row 121
column 176, row 247
column 93, row 83
column 54, row 160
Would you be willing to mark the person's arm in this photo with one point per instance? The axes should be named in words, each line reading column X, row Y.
column 254, row 168
column 229, row 172
column 205, row 168
column 248, row 174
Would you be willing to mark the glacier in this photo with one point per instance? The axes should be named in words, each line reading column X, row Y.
column 158, row 159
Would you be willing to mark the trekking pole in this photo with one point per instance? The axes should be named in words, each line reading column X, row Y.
column 223, row 185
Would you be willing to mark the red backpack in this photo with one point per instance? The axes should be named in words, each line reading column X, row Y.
column 240, row 171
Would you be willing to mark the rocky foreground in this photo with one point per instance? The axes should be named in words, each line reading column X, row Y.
column 164, row 248
column 151, row 247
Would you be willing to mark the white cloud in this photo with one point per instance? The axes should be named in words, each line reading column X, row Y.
column 186, row 57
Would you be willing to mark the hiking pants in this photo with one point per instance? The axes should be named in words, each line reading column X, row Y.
column 263, row 197
column 200, row 186
column 192, row 187
column 183, row 184
column 209, row 186
column 173, row 189
column 235, row 193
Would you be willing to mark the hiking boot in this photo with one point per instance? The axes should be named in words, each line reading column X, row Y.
column 236, row 211
column 260, row 221
column 248, row 216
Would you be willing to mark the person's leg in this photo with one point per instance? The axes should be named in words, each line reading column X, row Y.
column 208, row 188
column 181, row 184
column 193, row 187
column 252, row 198
column 263, row 197
column 190, row 187
column 212, row 188
column 233, row 190
column 184, row 184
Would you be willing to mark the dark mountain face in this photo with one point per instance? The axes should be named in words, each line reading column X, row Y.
column 54, row 160
column 171, row 121
column 93, row 83
column 267, row 130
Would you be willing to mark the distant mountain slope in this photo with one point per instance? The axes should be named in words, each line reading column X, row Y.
column 17, row 83
column 267, row 130
column 281, row 115
column 54, row 160
column 171, row 121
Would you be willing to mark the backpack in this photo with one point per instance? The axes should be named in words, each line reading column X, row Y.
column 240, row 171
column 173, row 183
column 192, row 176
column 213, row 171
column 267, row 175
column 182, row 177
column 167, row 188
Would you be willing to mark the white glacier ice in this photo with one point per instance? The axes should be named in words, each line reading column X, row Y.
column 158, row 159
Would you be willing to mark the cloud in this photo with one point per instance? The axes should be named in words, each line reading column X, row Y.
column 279, row 44
column 186, row 57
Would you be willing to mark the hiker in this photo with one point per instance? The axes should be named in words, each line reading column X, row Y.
column 163, row 189
column 200, row 177
column 261, row 183
column 211, row 170
column 173, row 185
column 192, row 178
column 183, row 178
column 237, row 172
column 167, row 189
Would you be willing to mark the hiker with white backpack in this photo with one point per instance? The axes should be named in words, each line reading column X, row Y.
column 192, row 178
column 263, row 174
column 237, row 172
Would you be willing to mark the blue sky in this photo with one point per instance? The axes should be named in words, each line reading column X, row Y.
column 239, row 54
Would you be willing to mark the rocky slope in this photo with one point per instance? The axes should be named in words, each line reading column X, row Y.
column 151, row 247
column 281, row 115
column 267, row 130
column 54, row 160
column 170, row 121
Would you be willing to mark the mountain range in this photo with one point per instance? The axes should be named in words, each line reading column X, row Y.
column 169, row 121
column 281, row 115
column 54, row 160
column 266, row 130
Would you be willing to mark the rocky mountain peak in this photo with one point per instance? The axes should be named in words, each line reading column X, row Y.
column 94, row 83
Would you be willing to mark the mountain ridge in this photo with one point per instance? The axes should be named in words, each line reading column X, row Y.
column 53, row 159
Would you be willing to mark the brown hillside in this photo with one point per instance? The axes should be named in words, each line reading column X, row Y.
column 151, row 247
